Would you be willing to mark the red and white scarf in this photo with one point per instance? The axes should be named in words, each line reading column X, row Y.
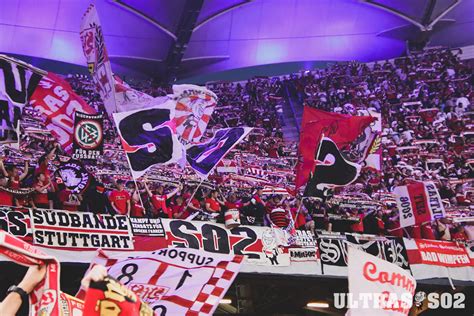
column 44, row 299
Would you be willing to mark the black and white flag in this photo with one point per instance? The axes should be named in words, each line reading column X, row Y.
column 18, row 80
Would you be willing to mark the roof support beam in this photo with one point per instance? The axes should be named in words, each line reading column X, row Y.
column 187, row 22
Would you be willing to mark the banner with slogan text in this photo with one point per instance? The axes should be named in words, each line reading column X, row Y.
column 388, row 289
column 418, row 203
column 69, row 231
column 440, row 258
column 88, row 136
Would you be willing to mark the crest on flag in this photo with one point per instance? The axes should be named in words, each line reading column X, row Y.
column 74, row 176
column 88, row 136
column 194, row 107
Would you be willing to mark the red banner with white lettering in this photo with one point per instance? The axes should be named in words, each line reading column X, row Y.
column 57, row 102
column 418, row 203
column 440, row 253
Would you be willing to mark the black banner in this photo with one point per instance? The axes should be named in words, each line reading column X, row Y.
column 88, row 136
column 147, row 226
column 333, row 248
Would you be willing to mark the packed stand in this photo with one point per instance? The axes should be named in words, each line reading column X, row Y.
column 435, row 82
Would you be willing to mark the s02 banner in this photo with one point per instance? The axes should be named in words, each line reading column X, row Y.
column 418, row 203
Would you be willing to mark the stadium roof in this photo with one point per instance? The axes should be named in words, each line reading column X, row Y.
column 180, row 38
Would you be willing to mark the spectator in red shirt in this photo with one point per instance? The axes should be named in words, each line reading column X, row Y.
column 213, row 203
column 43, row 162
column 68, row 200
column 137, row 209
column 14, row 176
column 458, row 232
column 178, row 209
column 41, row 187
column 358, row 227
column 158, row 200
column 120, row 199
column 301, row 217
column 232, row 203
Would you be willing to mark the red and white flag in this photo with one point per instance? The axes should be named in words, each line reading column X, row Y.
column 378, row 287
column 418, row 203
column 177, row 281
column 194, row 107
column 57, row 102
column 97, row 58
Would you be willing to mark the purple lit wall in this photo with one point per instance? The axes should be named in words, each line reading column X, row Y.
column 256, row 33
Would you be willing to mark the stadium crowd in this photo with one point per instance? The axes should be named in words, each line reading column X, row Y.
column 426, row 104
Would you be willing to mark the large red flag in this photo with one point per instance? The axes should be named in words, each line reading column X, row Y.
column 57, row 102
column 341, row 128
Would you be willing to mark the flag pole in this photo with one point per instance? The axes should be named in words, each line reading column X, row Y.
column 134, row 181
column 194, row 193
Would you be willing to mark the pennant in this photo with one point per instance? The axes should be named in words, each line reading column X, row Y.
column 377, row 287
column 204, row 157
column 342, row 129
column 331, row 170
column 418, row 203
column 149, row 137
column 55, row 100
column 18, row 80
column 97, row 58
column 88, row 136
column 194, row 107
column 174, row 281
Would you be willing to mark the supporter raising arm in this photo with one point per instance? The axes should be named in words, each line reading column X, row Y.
column 13, row 174
column 41, row 191
column 158, row 200
column 44, row 161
